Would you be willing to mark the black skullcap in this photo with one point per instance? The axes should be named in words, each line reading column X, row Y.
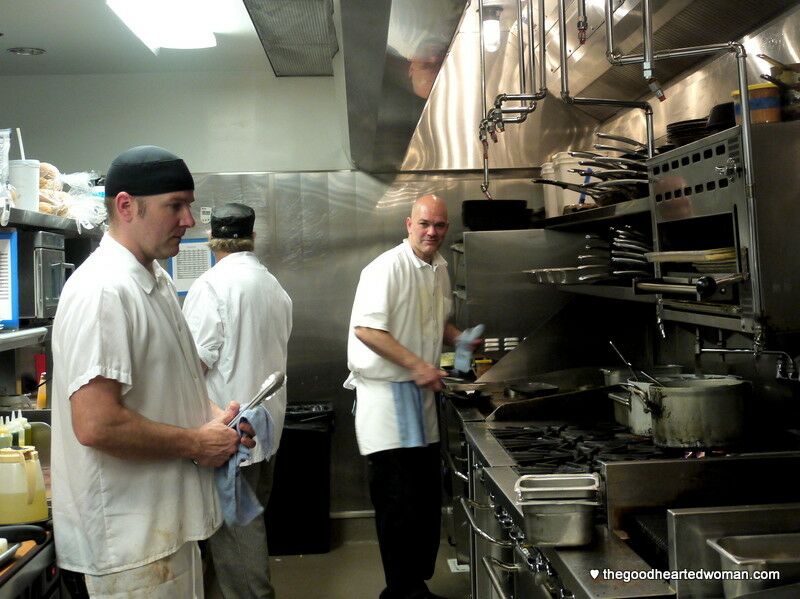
column 232, row 221
column 147, row 171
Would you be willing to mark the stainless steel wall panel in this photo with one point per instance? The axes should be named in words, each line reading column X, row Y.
column 286, row 196
column 499, row 293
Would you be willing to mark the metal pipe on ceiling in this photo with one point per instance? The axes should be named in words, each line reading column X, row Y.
column 566, row 97
column 583, row 22
column 496, row 118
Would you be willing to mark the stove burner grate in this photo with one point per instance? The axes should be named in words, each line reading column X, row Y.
column 572, row 449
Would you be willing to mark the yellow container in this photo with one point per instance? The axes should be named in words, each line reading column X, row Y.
column 765, row 103
column 22, row 495
column 41, row 394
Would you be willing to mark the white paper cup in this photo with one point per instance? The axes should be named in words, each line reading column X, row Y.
column 24, row 175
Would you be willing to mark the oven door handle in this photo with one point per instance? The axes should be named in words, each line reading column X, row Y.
column 474, row 525
column 491, row 565
column 453, row 467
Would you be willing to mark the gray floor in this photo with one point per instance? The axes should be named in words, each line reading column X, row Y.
column 352, row 569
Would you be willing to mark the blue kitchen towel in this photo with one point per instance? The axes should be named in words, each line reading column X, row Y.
column 409, row 411
column 463, row 359
column 239, row 503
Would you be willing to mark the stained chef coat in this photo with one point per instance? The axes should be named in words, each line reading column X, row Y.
column 241, row 319
column 409, row 298
column 117, row 320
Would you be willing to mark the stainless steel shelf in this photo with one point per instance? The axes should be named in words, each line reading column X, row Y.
column 601, row 213
column 610, row 292
column 21, row 338
column 728, row 323
column 40, row 220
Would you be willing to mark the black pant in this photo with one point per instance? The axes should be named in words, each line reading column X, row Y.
column 405, row 488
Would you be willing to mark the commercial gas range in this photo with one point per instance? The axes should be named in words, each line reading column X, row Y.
column 639, row 482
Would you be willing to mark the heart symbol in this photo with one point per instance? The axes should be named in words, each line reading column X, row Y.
column 594, row 573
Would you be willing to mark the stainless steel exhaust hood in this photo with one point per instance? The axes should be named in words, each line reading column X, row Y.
column 393, row 51
column 393, row 48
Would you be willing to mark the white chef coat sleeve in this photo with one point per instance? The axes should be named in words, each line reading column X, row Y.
column 99, row 340
column 374, row 299
column 201, row 310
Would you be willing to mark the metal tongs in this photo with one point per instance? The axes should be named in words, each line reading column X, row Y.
column 630, row 366
column 271, row 384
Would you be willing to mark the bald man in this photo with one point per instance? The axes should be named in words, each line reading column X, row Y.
column 397, row 327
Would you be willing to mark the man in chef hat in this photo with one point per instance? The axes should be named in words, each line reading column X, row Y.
column 241, row 319
column 135, row 437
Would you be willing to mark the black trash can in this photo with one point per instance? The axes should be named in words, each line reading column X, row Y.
column 298, row 514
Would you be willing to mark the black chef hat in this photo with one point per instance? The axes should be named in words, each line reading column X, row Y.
column 147, row 171
column 232, row 221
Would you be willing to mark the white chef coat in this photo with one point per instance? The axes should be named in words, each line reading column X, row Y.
column 241, row 319
column 117, row 320
column 409, row 298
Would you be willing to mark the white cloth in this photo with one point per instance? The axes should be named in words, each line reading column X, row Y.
column 179, row 575
column 241, row 319
column 409, row 298
column 117, row 320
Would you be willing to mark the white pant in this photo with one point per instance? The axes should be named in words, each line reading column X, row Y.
column 177, row 576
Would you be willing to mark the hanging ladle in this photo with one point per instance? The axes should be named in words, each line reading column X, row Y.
column 630, row 366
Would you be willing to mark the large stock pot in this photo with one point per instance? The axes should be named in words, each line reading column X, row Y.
column 630, row 405
column 698, row 412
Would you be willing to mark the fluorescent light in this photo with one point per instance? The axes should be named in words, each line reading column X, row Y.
column 179, row 24
column 491, row 35
column 491, row 25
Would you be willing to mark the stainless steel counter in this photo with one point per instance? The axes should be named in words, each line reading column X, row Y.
column 576, row 564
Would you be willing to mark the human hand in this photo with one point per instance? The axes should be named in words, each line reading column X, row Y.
column 216, row 441
column 475, row 344
column 427, row 375
column 248, row 438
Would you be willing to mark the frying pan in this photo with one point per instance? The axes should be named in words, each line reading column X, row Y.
column 617, row 161
column 629, row 188
column 625, row 140
column 602, row 192
column 585, row 154
column 571, row 187
column 625, row 254
column 628, row 262
column 594, row 259
column 621, row 150
column 631, row 245
column 628, row 233
column 610, row 174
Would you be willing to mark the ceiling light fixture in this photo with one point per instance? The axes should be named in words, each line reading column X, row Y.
column 21, row 51
column 176, row 24
column 491, row 25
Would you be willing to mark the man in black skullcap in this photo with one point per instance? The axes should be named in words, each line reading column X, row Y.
column 241, row 319
column 135, row 437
